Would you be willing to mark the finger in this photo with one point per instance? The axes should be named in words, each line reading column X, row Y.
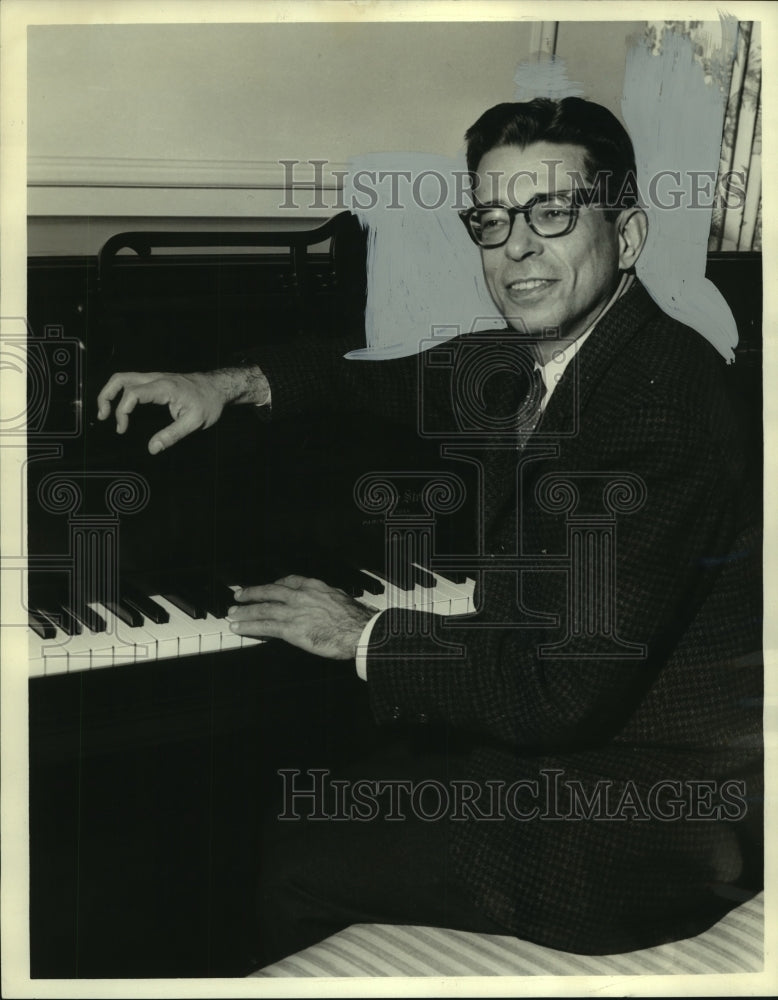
column 157, row 390
column 293, row 581
column 260, row 630
column 115, row 384
column 160, row 391
column 268, row 592
column 313, row 584
column 266, row 611
column 128, row 403
column 108, row 393
column 170, row 435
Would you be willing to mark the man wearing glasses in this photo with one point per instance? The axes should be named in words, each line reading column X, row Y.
column 610, row 746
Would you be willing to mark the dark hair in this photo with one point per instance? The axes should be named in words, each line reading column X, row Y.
column 609, row 158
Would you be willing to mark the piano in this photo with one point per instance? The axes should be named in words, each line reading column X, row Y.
column 156, row 733
column 141, row 628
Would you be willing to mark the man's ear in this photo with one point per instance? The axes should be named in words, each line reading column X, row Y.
column 632, row 226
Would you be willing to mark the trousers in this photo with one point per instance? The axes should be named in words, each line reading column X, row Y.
column 327, row 864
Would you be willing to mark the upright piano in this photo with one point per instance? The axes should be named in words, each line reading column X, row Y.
column 156, row 734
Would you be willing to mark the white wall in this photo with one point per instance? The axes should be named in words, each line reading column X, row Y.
column 176, row 125
column 595, row 54
column 263, row 91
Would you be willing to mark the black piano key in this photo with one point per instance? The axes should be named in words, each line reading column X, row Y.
column 221, row 598
column 62, row 617
column 319, row 563
column 126, row 612
column 350, row 579
column 135, row 598
column 49, row 598
column 456, row 575
column 351, row 584
column 214, row 594
column 370, row 585
column 187, row 602
column 50, row 603
column 41, row 625
column 90, row 619
column 422, row 577
column 399, row 575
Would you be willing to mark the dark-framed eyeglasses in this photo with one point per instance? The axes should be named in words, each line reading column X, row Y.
column 547, row 215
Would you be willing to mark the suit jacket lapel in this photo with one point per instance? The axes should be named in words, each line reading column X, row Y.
column 608, row 340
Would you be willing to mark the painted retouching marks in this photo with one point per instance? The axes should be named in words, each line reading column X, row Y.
column 424, row 278
column 423, row 273
column 544, row 76
column 675, row 120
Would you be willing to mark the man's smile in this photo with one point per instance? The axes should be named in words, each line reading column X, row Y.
column 526, row 289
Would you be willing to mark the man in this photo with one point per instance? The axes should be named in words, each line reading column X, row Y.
column 602, row 709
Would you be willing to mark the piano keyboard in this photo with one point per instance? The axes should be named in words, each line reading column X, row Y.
column 160, row 627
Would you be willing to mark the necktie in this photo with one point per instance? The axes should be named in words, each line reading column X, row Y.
column 528, row 416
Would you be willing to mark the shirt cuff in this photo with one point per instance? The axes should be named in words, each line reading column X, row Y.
column 362, row 647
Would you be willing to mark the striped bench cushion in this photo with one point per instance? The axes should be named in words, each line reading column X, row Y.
column 734, row 944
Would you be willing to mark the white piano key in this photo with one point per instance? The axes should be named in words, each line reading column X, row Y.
column 210, row 633
column 117, row 633
column 425, row 599
column 375, row 602
column 438, row 597
column 460, row 594
column 212, row 630
column 36, row 659
column 40, row 648
column 135, row 643
column 110, row 648
column 52, row 656
column 395, row 596
column 161, row 647
column 69, row 652
column 164, row 634
column 232, row 640
column 131, row 644
column 185, row 636
column 418, row 598
column 104, row 657
column 186, row 628
column 250, row 640
column 378, row 602
column 60, row 663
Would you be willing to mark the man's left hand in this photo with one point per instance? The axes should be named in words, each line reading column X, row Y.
column 306, row 613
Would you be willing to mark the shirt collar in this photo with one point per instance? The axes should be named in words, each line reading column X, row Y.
column 553, row 370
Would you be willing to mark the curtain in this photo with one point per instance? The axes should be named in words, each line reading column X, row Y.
column 731, row 56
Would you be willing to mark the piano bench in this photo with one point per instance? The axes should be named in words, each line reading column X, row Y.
column 734, row 945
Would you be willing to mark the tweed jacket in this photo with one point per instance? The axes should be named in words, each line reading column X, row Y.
column 608, row 690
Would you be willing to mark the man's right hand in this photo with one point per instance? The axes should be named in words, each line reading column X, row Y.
column 195, row 400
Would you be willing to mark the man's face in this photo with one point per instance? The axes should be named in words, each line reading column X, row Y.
column 538, row 282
